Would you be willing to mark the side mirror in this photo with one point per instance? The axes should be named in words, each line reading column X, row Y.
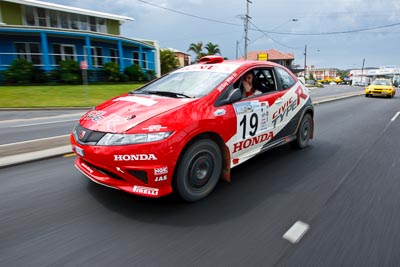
column 235, row 95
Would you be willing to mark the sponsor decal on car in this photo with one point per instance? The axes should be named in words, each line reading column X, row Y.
column 138, row 100
column 219, row 112
column 87, row 167
column 227, row 82
column 283, row 111
column 153, row 128
column 252, row 141
column 160, row 178
column 145, row 190
column 94, row 115
column 131, row 157
column 162, row 170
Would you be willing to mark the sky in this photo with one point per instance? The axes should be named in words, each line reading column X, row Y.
column 338, row 33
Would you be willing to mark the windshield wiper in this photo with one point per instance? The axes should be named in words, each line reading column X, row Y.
column 168, row 94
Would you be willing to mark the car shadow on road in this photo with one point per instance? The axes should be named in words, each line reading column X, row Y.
column 253, row 183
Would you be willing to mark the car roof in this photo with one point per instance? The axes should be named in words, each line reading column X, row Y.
column 241, row 62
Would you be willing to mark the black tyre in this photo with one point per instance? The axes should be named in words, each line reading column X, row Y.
column 199, row 170
column 304, row 132
column 366, row 95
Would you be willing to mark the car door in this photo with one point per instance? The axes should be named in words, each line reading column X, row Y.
column 254, row 127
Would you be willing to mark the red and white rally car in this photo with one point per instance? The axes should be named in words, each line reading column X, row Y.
column 187, row 129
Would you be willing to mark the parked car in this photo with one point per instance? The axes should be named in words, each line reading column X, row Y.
column 381, row 87
column 186, row 130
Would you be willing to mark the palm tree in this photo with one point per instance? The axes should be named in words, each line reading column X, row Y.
column 197, row 49
column 212, row 49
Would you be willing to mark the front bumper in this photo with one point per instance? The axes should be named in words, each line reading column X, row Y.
column 136, row 169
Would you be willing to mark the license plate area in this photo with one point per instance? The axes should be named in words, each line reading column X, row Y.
column 79, row 151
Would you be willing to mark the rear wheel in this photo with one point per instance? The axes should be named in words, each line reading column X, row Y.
column 304, row 132
column 199, row 170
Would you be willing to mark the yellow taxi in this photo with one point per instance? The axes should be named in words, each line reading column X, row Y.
column 380, row 87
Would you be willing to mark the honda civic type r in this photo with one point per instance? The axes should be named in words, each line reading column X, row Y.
column 188, row 129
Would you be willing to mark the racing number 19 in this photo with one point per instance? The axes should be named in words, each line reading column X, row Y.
column 253, row 125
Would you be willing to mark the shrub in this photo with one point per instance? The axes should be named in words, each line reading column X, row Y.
column 111, row 71
column 69, row 72
column 149, row 75
column 134, row 72
column 20, row 71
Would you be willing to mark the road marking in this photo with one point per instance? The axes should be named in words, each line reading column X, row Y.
column 296, row 232
column 36, row 140
column 69, row 155
column 40, row 123
column 395, row 116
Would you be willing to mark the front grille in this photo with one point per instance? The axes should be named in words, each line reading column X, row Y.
column 86, row 136
column 108, row 173
column 141, row 175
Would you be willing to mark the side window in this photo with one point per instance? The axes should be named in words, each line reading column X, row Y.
column 265, row 81
column 286, row 79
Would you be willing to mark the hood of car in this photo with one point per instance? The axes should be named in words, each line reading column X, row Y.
column 379, row 87
column 122, row 113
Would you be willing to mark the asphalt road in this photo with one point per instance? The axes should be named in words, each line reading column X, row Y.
column 22, row 125
column 329, row 90
column 344, row 186
column 27, row 124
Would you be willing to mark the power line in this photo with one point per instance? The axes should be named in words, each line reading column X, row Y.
column 276, row 32
column 190, row 15
column 269, row 36
column 338, row 32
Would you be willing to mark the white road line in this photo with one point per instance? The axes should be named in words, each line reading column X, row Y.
column 395, row 116
column 296, row 232
column 41, row 123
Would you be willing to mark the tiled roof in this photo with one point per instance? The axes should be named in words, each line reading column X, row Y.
column 273, row 54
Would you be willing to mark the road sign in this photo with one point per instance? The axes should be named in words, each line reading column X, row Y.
column 84, row 65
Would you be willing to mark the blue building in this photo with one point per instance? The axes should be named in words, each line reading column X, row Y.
column 46, row 33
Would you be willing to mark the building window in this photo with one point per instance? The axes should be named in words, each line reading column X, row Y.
column 30, row 16
column 135, row 56
column 84, row 25
column 96, row 55
column 53, row 18
column 102, row 25
column 74, row 21
column 114, row 55
column 29, row 51
column 144, row 58
column 42, row 17
column 35, row 16
column 63, row 52
column 93, row 24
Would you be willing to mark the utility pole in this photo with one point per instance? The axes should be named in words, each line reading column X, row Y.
column 246, row 29
column 305, row 61
column 362, row 71
column 237, row 47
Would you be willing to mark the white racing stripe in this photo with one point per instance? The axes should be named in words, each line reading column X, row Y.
column 395, row 116
column 296, row 232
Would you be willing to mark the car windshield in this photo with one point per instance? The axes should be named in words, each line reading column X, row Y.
column 381, row 82
column 193, row 84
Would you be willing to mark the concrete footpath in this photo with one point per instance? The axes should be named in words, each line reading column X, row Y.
column 22, row 152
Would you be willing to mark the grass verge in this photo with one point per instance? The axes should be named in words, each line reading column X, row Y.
column 60, row 95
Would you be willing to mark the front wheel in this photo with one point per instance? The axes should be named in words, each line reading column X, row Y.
column 199, row 170
column 304, row 132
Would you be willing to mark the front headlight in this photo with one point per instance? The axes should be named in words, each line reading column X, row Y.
column 129, row 139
